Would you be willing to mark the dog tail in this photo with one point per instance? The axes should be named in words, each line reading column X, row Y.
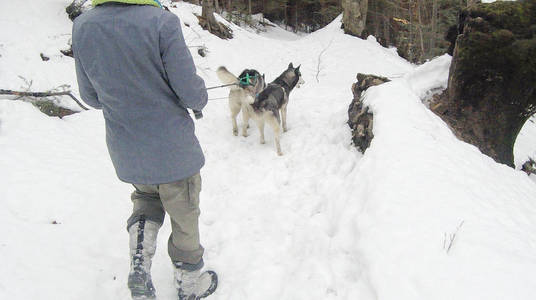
column 225, row 76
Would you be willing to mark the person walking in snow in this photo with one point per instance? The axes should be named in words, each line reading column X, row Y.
column 132, row 62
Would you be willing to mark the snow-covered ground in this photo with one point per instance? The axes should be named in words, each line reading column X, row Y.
column 420, row 215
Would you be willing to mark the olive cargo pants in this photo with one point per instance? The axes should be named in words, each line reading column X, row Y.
column 181, row 201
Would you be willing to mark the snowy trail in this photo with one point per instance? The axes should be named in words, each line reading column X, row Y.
column 291, row 205
column 279, row 206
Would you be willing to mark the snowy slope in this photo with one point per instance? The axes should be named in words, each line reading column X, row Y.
column 321, row 222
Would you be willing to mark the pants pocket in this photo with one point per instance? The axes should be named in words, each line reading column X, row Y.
column 194, row 188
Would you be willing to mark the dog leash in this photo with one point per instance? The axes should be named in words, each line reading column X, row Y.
column 244, row 81
column 220, row 86
column 220, row 98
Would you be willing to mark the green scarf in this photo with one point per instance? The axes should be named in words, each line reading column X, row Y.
column 140, row 2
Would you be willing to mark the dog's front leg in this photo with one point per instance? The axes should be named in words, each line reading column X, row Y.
column 235, row 126
column 245, row 120
column 274, row 123
column 260, row 125
column 284, row 117
column 235, row 110
column 278, row 145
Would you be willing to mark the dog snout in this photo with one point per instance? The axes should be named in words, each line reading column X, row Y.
column 300, row 82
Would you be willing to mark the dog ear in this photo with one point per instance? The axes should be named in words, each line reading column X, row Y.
column 298, row 68
column 290, row 66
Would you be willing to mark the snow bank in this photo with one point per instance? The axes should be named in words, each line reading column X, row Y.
column 439, row 220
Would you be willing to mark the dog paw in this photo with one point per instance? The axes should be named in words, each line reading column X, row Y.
column 235, row 132
column 279, row 153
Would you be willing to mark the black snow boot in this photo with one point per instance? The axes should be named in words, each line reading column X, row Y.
column 142, row 248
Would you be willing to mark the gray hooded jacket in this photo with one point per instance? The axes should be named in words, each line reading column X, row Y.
column 132, row 62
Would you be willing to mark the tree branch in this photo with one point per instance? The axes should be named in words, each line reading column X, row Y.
column 43, row 94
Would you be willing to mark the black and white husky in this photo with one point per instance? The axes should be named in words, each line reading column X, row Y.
column 248, row 84
column 272, row 100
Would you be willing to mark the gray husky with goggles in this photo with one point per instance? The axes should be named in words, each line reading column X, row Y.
column 243, row 90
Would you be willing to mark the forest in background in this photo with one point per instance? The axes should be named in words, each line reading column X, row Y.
column 417, row 28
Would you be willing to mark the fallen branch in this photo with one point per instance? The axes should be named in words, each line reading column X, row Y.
column 318, row 67
column 42, row 94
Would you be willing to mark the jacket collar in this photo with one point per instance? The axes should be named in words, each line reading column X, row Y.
column 139, row 2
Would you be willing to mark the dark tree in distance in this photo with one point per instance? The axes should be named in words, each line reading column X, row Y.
column 208, row 21
column 492, row 80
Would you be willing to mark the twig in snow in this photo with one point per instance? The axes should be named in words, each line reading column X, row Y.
column 449, row 242
column 320, row 59
column 28, row 82
column 396, row 75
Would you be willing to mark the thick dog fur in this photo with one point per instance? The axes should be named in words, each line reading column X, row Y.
column 241, row 95
column 272, row 100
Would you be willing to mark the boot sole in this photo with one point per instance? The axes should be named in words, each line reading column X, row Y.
column 139, row 289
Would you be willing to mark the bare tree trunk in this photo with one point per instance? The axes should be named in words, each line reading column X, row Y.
column 434, row 28
column 296, row 17
column 208, row 12
column 421, row 38
column 355, row 16
column 208, row 21
column 249, row 7
column 376, row 19
column 410, row 41
column 263, row 10
column 286, row 15
column 386, row 33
